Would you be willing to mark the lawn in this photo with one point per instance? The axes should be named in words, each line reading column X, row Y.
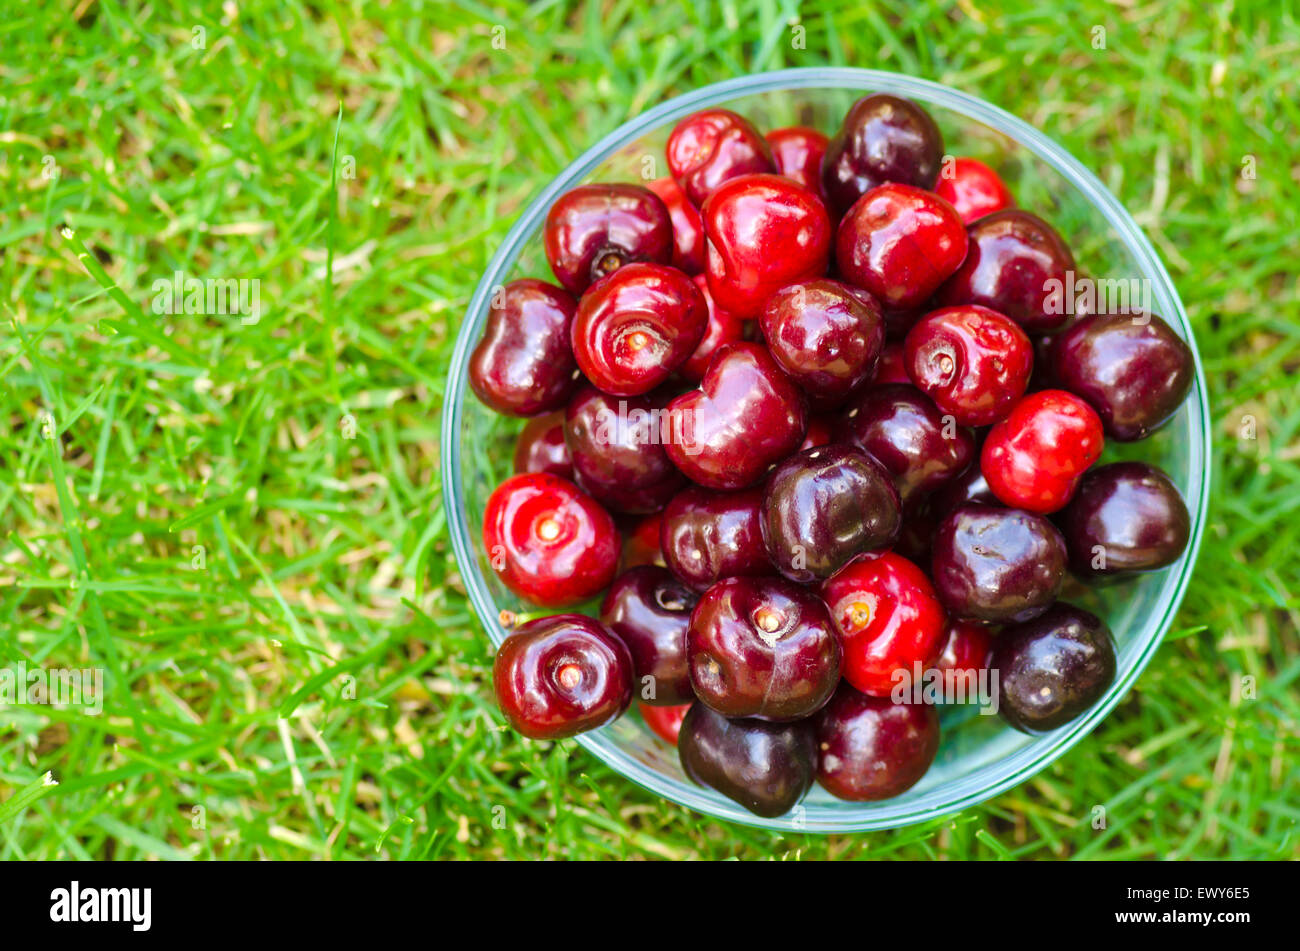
column 239, row 518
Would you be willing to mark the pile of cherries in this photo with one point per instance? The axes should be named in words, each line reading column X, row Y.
column 807, row 415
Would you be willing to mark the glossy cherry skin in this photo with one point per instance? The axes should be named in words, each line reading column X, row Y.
column 883, row 139
column 997, row 564
column 798, row 153
column 973, row 362
column 1125, row 517
column 641, row 543
column 1033, row 459
column 649, row 610
column 1053, row 668
column 820, row 431
column 762, row 648
column 890, row 367
column 902, row 428
column 824, row 506
column 666, row 722
column 765, row 767
column 633, row 328
column 871, row 748
column 889, row 619
column 523, row 365
column 541, row 448
column 824, row 336
column 746, row 415
column 708, row 535
column 560, row 676
column 764, row 231
column 972, row 188
column 688, row 228
column 1132, row 369
column 723, row 327
column 548, row 541
column 1012, row 260
column 967, row 651
column 594, row 230
column 712, row 147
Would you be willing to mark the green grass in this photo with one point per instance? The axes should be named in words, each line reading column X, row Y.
column 243, row 522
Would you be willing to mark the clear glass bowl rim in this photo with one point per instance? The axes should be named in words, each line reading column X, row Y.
column 985, row 783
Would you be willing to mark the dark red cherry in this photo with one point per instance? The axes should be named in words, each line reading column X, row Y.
column 1133, row 370
column 641, row 543
column 649, row 610
column 666, row 722
column 900, row 243
column 560, row 676
column 972, row 188
column 890, row 368
column 889, row 619
column 826, row 337
column 723, row 327
column 764, row 231
column 688, row 229
column 616, row 444
column 1014, row 262
column 708, row 535
column 762, row 648
column 549, row 541
column 765, row 767
column 883, row 139
column 823, row 506
column 594, row 230
column 798, row 153
column 1125, row 517
column 712, row 147
column 541, row 448
column 746, row 416
column 819, row 431
column 1053, row 668
column 523, row 365
column 902, row 428
column 871, row 748
column 973, row 362
column 917, row 533
column 967, row 652
column 996, row 564
column 633, row 328
column 1033, row 459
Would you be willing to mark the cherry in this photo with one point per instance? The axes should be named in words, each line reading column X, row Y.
column 764, row 231
column 707, row 535
column 972, row 188
column 1012, row 261
column 745, row 416
column 890, row 367
column 666, row 722
column 819, row 431
column 1053, row 668
column 967, row 651
column 633, row 328
column 549, row 541
column 824, row 506
column 714, row 146
column 889, row 619
column 973, row 362
column 917, row 533
column 765, row 767
column 970, row 486
column 883, row 139
column 762, row 648
column 541, row 448
column 1125, row 517
column 997, row 564
column 798, row 153
column 523, row 365
column 826, row 337
column 616, row 446
column 594, row 230
column 1033, row 459
column 560, row 676
column 870, row 748
column 688, row 229
column 902, row 428
column 641, row 544
column 723, row 327
column 649, row 610
column 1133, row 370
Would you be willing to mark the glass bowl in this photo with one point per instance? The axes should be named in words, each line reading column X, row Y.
column 979, row 755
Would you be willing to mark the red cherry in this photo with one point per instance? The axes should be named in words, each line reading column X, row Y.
column 706, row 535
column 724, row 327
column 1035, row 457
column 523, row 366
column 890, row 368
column 967, row 650
column 972, row 188
column 764, row 232
column 900, row 243
column 666, row 722
column 889, row 619
column 883, row 139
column 549, row 541
column 798, row 153
column 641, row 544
column 870, row 748
column 713, row 146
column 541, row 448
column 593, row 230
column 688, row 229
